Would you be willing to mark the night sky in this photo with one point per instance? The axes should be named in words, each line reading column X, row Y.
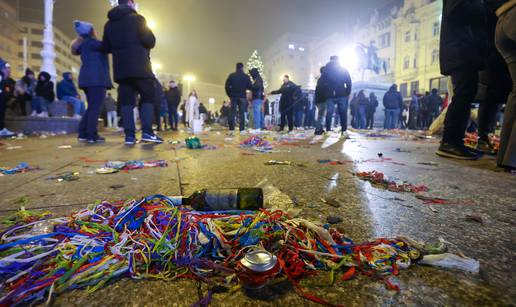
column 207, row 37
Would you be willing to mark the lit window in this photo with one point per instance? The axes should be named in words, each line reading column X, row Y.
column 291, row 46
column 301, row 49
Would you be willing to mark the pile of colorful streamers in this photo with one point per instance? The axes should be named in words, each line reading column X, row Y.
column 378, row 179
column 115, row 166
column 21, row 168
column 257, row 143
column 152, row 238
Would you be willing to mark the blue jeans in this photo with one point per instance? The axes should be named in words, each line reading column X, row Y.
column 78, row 105
column 298, row 118
column 342, row 105
column 309, row 117
column 257, row 114
column 39, row 104
column 391, row 118
column 88, row 124
column 361, row 118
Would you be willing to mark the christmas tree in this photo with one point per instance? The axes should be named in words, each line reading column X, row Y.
column 255, row 61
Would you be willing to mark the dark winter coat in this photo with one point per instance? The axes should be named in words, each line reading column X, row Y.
column 237, row 84
column 66, row 87
column 173, row 96
column 287, row 92
column 110, row 104
column 435, row 102
column 45, row 88
column 257, row 87
column 338, row 80
column 95, row 66
column 463, row 41
column 372, row 104
column 128, row 38
column 392, row 99
column 321, row 90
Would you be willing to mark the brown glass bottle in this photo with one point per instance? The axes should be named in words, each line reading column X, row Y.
column 249, row 199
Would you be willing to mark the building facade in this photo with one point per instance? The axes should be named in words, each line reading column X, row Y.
column 32, row 34
column 289, row 55
column 9, row 35
column 418, row 27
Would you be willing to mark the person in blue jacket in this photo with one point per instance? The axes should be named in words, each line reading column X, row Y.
column 66, row 91
column 94, row 79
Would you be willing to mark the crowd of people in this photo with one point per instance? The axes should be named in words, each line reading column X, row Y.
column 477, row 51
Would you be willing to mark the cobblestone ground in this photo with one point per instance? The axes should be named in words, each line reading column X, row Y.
column 367, row 212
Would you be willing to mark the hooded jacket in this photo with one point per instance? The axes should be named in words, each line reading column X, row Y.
column 463, row 43
column 257, row 85
column 392, row 99
column 435, row 102
column 45, row 88
column 128, row 38
column 338, row 80
column 237, row 84
column 95, row 66
column 66, row 87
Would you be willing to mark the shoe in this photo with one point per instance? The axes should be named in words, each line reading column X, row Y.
column 344, row 135
column 486, row 147
column 97, row 140
column 77, row 116
column 82, row 140
column 34, row 114
column 6, row 132
column 42, row 115
column 319, row 132
column 456, row 152
column 130, row 140
column 152, row 138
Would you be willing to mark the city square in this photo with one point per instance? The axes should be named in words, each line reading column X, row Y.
column 148, row 158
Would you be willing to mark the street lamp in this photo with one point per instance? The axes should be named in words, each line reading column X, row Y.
column 189, row 79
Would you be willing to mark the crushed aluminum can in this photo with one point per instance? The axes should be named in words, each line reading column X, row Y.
column 257, row 269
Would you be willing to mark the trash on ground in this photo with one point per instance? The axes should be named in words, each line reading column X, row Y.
column 152, row 238
column 193, row 143
column 65, row 147
column 429, row 163
column 474, row 218
column 378, row 179
column 334, row 220
column 333, row 162
column 20, row 168
column 276, row 162
column 115, row 166
column 257, row 143
column 117, row 186
column 67, row 176
column 331, row 202
column 452, row 261
column 443, row 201
column 13, row 147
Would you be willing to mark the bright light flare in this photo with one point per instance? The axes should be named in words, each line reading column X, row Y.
column 189, row 78
column 152, row 24
column 348, row 58
column 156, row 67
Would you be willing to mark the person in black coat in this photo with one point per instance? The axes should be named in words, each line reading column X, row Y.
column 6, row 92
column 173, row 96
column 371, row 110
column 320, row 98
column 45, row 94
column 129, row 39
column 435, row 103
column 393, row 103
column 237, row 84
column 94, row 79
column 286, row 106
column 462, row 54
column 339, row 89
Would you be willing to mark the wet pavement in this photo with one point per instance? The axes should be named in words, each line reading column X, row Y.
column 480, row 225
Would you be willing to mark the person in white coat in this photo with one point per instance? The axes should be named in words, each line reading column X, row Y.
column 192, row 108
